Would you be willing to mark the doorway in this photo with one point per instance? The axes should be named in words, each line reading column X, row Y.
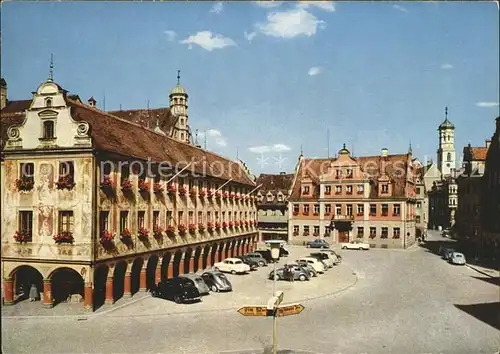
column 343, row 236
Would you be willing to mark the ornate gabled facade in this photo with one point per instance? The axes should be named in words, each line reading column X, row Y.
column 341, row 199
column 272, row 205
column 490, row 199
column 93, row 204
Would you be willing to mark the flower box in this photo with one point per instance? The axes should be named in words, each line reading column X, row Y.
column 107, row 238
column 126, row 235
column 237, row 223
column 224, row 225
column 349, row 193
column 143, row 233
column 373, row 235
column 396, row 214
column 106, row 183
column 143, row 186
column 202, row 193
column 24, row 184
column 210, row 227
column 126, row 185
column 360, row 214
column 182, row 191
column 396, row 236
column 182, row 229
column 157, row 188
column 210, row 194
column 246, row 223
column 295, row 213
column 360, row 192
column 316, row 234
column 327, row 214
column 218, row 195
column 21, row 236
column 63, row 237
column 201, row 227
column 306, row 233
column 171, row 189
column 65, row 182
column 217, row 225
column 192, row 228
column 192, row 192
column 170, row 229
column 157, row 231
column 295, row 233
column 337, row 193
column 232, row 195
column 315, row 214
column 371, row 214
column 225, row 195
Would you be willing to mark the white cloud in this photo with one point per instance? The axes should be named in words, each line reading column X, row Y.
column 269, row 148
column 250, row 36
column 400, row 8
column 268, row 4
column 213, row 135
column 291, row 23
column 487, row 104
column 217, row 8
column 446, row 66
column 314, row 71
column 209, row 41
column 171, row 35
column 323, row 5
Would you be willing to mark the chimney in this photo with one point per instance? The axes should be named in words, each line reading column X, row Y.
column 385, row 152
column 3, row 89
column 488, row 142
column 92, row 102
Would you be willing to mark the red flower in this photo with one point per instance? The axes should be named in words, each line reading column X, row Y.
column 143, row 233
column 171, row 189
column 201, row 227
column 224, row 224
column 157, row 230
column 192, row 192
column 170, row 229
column 225, row 195
column 182, row 229
column 237, row 223
column 192, row 228
column 126, row 185
column 107, row 237
column 63, row 237
column 232, row 195
column 295, row 213
column 24, row 184
column 218, row 194
column 125, row 234
column 157, row 187
column 210, row 226
column 231, row 224
column 65, row 182
column 210, row 194
column 143, row 185
column 182, row 190
column 217, row 225
column 246, row 222
column 20, row 236
column 202, row 193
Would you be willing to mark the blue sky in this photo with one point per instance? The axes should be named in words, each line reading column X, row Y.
column 266, row 78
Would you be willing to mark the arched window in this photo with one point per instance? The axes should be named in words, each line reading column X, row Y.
column 48, row 102
column 176, row 100
column 48, row 129
column 448, row 157
column 181, row 121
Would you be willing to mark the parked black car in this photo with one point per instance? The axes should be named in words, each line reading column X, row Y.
column 250, row 261
column 217, row 281
column 266, row 254
column 176, row 289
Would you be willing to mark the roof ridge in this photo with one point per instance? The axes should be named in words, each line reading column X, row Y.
column 149, row 130
column 140, row 109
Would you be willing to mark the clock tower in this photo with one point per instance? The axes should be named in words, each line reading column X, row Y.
column 179, row 108
column 446, row 155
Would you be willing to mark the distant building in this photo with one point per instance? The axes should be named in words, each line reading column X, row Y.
column 369, row 198
column 272, row 206
column 490, row 199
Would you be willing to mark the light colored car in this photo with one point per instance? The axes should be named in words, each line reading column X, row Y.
column 457, row 258
column 334, row 255
column 326, row 258
column 232, row 265
column 318, row 266
column 306, row 266
column 198, row 282
column 354, row 245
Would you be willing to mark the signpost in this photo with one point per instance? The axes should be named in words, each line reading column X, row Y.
column 273, row 309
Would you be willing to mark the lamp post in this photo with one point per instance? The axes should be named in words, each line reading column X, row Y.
column 275, row 255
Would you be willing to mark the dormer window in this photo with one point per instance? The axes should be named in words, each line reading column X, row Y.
column 181, row 121
column 48, row 129
column 280, row 197
column 48, row 102
column 385, row 189
column 305, row 190
column 328, row 190
column 269, row 197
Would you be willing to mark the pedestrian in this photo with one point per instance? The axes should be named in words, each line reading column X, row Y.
column 33, row 293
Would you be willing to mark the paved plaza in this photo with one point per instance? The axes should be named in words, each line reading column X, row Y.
column 400, row 302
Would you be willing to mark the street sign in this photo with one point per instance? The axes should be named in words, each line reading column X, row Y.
column 275, row 301
column 253, row 311
column 289, row 310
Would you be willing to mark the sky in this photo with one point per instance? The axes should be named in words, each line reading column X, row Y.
column 267, row 79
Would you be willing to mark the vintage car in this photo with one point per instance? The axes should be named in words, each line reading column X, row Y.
column 232, row 265
column 355, row 245
column 177, row 289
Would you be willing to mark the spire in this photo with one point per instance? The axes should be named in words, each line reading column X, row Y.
column 344, row 146
column 51, row 71
column 446, row 112
column 196, row 137
column 301, row 150
column 410, row 151
column 178, row 78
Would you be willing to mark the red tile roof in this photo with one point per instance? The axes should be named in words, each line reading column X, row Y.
column 479, row 153
column 115, row 135
column 148, row 117
column 271, row 182
column 395, row 166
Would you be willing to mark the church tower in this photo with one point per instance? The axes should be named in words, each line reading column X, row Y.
column 446, row 155
column 179, row 108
